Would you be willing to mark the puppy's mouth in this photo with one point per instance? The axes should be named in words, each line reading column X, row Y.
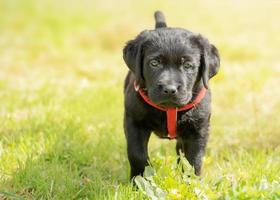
column 171, row 101
column 174, row 103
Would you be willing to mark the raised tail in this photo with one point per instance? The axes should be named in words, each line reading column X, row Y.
column 160, row 20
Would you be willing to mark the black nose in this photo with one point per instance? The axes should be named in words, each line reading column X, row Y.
column 169, row 89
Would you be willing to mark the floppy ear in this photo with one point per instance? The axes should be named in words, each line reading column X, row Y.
column 210, row 59
column 133, row 57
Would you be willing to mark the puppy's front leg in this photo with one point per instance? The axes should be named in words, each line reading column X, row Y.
column 194, row 149
column 137, row 146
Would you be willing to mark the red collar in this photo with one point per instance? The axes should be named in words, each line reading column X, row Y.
column 171, row 113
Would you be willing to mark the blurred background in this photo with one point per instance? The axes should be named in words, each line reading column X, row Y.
column 61, row 101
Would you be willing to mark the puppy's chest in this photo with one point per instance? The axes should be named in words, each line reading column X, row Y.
column 186, row 121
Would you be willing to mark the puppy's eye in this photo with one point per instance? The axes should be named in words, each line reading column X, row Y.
column 186, row 63
column 154, row 63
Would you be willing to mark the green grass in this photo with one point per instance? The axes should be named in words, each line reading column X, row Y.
column 61, row 103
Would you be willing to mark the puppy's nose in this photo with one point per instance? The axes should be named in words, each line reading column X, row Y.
column 170, row 89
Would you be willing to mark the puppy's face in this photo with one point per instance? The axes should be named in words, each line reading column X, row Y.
column 170, row 67
column 168, row 63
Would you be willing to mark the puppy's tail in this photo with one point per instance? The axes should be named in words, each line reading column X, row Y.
column 160, row 20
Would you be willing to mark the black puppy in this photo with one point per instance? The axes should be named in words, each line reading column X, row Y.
column 166, row 92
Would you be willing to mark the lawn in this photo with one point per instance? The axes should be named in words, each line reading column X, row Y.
column 61, row 101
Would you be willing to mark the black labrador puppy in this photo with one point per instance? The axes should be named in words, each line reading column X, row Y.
column 167, row 92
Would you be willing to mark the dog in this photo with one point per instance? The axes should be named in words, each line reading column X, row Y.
column 167, row 92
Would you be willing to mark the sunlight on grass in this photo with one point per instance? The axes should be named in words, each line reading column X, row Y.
column 61, row 97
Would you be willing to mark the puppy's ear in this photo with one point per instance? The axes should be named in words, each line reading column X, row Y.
column 210, row 59
column 133, row 57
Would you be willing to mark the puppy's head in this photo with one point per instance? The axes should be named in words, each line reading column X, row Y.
column 170, row 62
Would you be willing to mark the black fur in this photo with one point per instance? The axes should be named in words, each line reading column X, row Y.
column 172, row 65
column 160, row 19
